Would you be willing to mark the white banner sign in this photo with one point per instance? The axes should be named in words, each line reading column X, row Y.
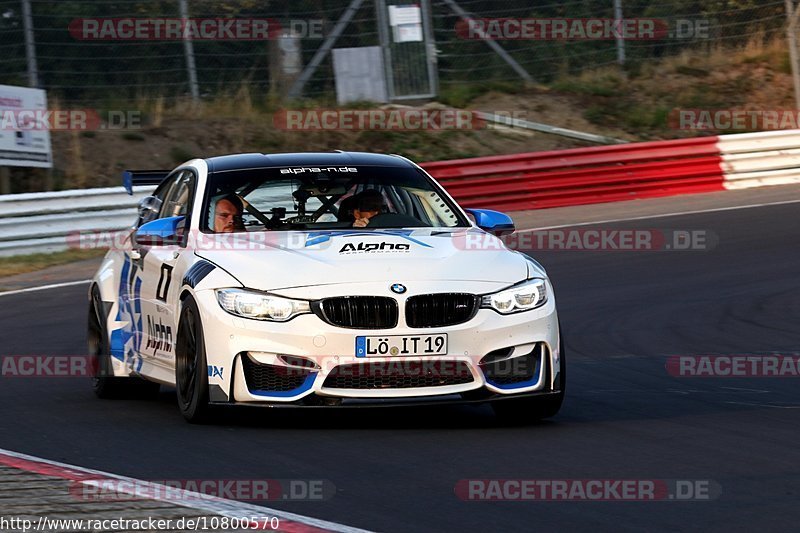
column 404, row 15
column 408, row 33
column 406, row 23
column 23, row 144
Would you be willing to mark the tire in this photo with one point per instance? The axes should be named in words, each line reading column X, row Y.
column 526, row 410
column 104, row 384
column 191, row 376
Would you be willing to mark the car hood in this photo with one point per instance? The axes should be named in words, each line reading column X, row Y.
column 277, row 260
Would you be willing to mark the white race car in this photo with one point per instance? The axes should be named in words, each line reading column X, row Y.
column 321, row 279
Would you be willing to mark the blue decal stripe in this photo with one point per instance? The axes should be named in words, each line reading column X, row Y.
column 197, row 272
column 117, row 345
column 307, row 384
column 121, row 336
column 137, row 304
column 137, row 296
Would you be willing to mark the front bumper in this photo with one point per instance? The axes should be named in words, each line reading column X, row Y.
column 313, row 402
column 307, row 362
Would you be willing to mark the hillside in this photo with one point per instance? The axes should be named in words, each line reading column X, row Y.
column 633, row 105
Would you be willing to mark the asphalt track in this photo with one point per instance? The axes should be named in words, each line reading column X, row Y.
column 625, row 417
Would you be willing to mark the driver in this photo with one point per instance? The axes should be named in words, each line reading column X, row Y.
column 370, row 203
column 228, row 214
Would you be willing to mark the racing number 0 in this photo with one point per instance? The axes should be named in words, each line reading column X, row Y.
column 163, row 282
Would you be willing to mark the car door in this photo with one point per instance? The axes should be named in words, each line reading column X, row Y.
column 160, row 281
column 126, row 341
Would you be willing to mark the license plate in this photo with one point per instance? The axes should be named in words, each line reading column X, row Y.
column 401, row 345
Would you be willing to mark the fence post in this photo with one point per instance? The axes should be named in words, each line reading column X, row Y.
column 430, row 42
column 30, row 44
column 791, row 34
column 188, row 49
column 5, row 181
column 620, row 37
column 296, row 90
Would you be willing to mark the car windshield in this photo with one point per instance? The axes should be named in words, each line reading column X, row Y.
column 310, row 198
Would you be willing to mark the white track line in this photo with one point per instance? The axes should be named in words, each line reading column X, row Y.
column 677, row 214
column 45, row 287
column 189, row 499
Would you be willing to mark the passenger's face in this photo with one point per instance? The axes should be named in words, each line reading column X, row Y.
column 224, row 217
column 364, row 214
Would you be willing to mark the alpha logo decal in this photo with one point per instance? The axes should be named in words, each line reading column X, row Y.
column 159, row 336
column 361, row 247
column 321, row 237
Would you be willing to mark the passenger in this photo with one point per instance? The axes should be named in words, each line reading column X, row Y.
column 370, row 203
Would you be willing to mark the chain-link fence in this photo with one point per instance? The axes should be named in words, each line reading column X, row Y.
column 679, row 25
column 77, row 51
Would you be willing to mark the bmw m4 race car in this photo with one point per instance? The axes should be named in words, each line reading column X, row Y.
column 321, row 279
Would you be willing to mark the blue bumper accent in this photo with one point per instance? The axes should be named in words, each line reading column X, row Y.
column 522, row 384
column 289, row 393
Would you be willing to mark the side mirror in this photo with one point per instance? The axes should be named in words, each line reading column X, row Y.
column 493, row 222
column 161, row 232
column 149, row 205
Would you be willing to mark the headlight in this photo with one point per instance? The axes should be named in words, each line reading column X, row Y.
column 260, row 306
column 523, row 297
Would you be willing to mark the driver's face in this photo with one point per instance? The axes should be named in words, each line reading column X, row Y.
column 224, row 217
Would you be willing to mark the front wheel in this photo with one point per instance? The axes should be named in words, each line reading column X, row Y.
column 191, row 375
column 524, row 410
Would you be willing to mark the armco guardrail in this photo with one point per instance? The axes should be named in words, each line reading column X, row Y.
column 41, row 222
column 756, row 159
column 583, row 175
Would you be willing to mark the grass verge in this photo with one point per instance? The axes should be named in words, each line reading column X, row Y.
column 21, row 264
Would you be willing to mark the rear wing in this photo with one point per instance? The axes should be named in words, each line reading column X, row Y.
column 133, row 178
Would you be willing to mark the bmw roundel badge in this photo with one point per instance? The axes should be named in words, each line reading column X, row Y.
column 397, row 288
